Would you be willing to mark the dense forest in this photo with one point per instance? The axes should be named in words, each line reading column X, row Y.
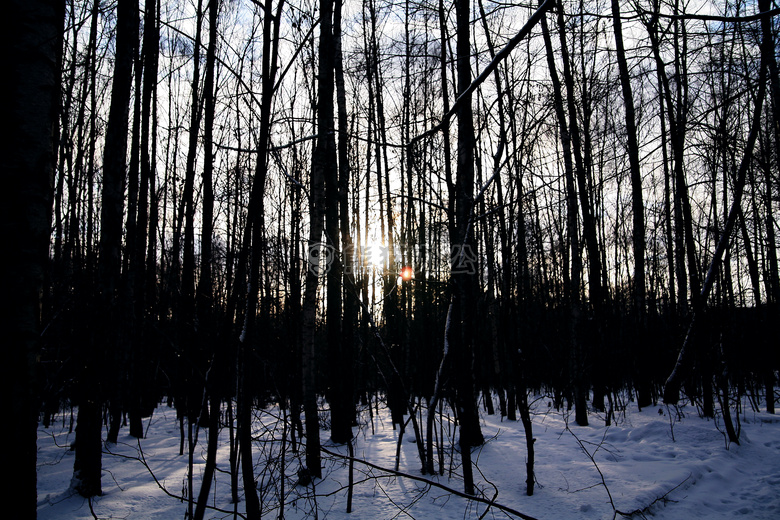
column 223, row 204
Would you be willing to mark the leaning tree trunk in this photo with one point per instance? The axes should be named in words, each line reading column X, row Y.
column 190, row 364
column 683, row 359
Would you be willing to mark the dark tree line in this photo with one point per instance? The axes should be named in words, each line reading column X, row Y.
column 227, row 205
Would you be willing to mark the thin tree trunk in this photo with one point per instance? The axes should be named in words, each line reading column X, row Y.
column 438, row 382
column 633, row 159
column 573, row 289
column 213, row 443
column 90, row 250
column 773, row 278
column 254, row 232
column 324, row 152
column 205, row 298
column 644, row 397
column 205, row 290
column 146, row 251
column 191, row 363
column 588, row 219
column 349, row 324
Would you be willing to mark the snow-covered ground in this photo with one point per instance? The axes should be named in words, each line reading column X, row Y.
column 667, row 463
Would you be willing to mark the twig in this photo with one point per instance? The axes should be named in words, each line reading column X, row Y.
column 663, row 498
column 142, row 460
column 592, row 458
column 495, row 488
column 465, row 96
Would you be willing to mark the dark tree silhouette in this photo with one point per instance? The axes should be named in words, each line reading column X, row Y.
column 106, row 344
column 33, row 37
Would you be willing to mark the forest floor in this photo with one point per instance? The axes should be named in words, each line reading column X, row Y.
column 665, row 463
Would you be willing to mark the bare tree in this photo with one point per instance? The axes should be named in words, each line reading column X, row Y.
column 254, row 236
column 87, row 465
column 461, row 332
column 579, row 382
column 205, row 290
column 637, row 200
column 672, row 385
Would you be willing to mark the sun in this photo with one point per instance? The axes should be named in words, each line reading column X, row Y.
column 375, row 255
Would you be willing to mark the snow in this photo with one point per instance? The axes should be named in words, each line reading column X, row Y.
column 666, row 462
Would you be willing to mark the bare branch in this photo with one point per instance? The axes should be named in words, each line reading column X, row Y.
column 433, row 483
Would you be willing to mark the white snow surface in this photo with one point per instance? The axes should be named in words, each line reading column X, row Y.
column 670, row 465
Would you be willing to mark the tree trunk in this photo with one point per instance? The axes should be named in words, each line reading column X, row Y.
column 205, row 290
column 191, row 363
column 212, row 446
column 671, row 388
column 438, row 382
column 120, row 364
column 205, row 298
column 341, row 421
column 86, row 473
column 34, row 44
column 463, row 264
column 577, row 362
column 644, row 397
column 323, row 158
column 773, row 276
column 146, row 250
column 349, row 323
column 633, row 159
column 253, row 238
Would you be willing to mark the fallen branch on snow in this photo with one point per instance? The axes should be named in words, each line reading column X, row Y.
column 489, row 503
